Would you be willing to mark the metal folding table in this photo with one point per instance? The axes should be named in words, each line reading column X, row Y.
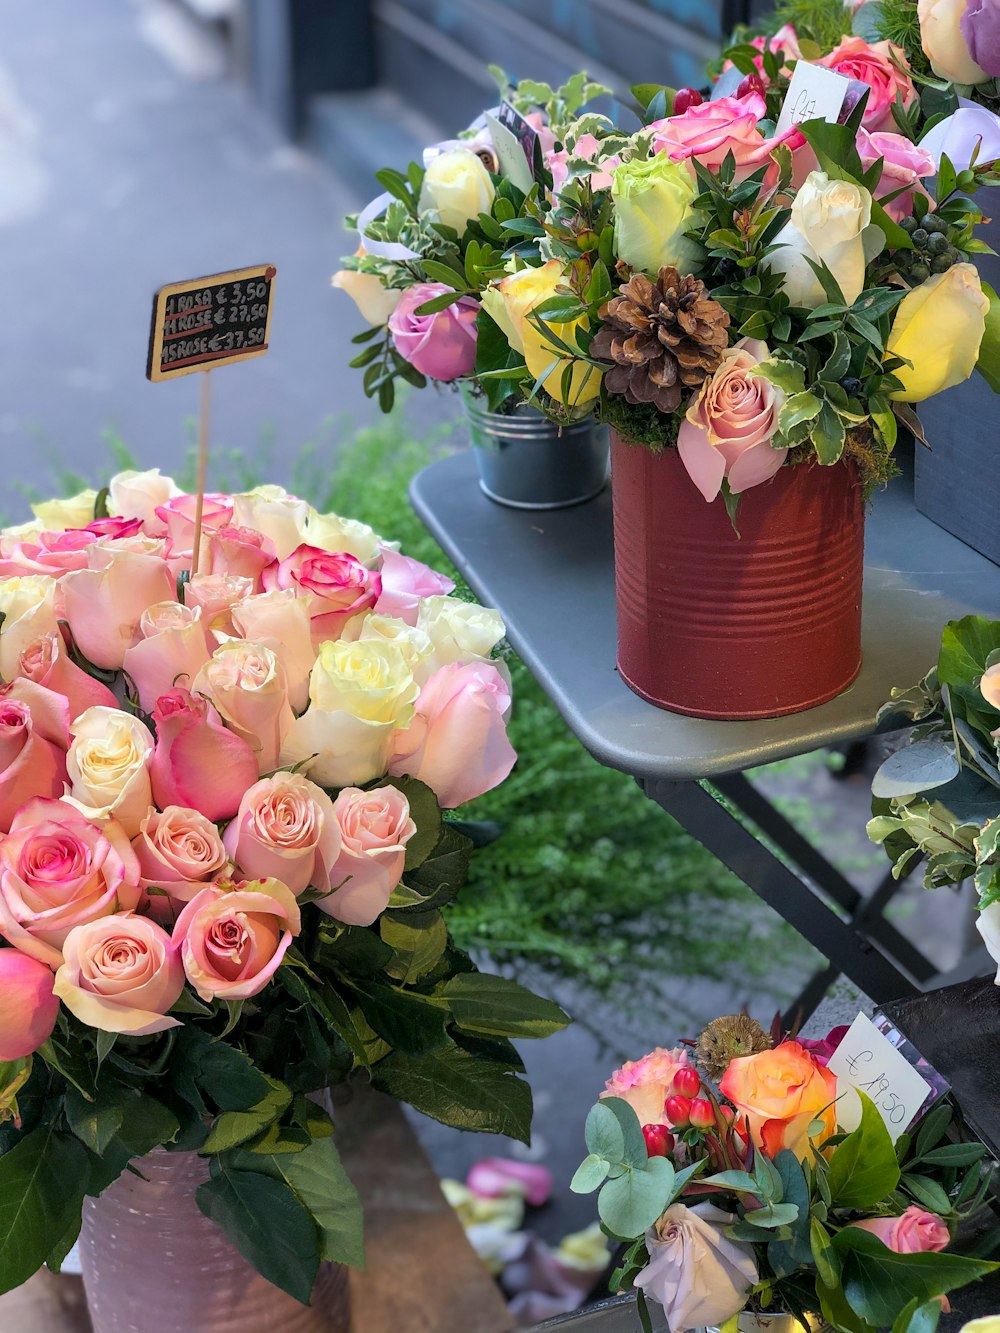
column 551, row 576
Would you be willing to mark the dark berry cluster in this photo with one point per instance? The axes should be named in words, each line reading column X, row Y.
column 933, row 251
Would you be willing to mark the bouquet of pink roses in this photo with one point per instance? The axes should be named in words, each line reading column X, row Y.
column 223, row 855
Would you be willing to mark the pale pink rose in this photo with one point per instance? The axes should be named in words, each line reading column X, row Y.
column 50, row 715
column 179, row 851
column 233, row 938
column 711, row 131
column 108, row 767
column 242, row 552
column 375, row 827
column 914, row 1232
column 215, row 596
column 699, row 1276
column 104, row 602
column 52, row 553
column 903, row 163
column 46, row 662
column 280, row 620
column 197, row 762
column 30, row 765
column 457, row 743
column 989, row 685
column 28, row 1008
column 442, row 345
column 647, row 1083
column 246, row 683
column 59, row 870
column 178, row 518
column 121, row 974
column 286, row 829
column 546, row 136
column 171, row 651
column 883, row 67
column 339, row 585
column 404, row 582
column 729, row 425
column 589, row 147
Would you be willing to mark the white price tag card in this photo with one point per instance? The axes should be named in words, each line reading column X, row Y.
column 514, row 152
column 814, row 93
column 866, row 1060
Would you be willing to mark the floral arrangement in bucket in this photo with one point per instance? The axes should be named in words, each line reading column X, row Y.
column 937, row 798
column 727, row 1172
column 223, row 858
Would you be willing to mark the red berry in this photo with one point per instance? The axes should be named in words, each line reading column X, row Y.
column 678, row 1111
column 659, row 1140
column 686, row 1082
column 753, row 83
column 685, row 97
column 702, row 1113
column 728, row 1114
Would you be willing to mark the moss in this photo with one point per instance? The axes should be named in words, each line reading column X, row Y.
column 640, row 424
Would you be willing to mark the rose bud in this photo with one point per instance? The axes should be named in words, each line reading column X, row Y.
column 702, row 1113
column 678, row 1111
column 659, row 1140
column 686, row 1082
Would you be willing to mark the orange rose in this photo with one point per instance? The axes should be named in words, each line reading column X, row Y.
column 781, row 1092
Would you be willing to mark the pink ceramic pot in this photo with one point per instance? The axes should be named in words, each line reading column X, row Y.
column 153, row 1263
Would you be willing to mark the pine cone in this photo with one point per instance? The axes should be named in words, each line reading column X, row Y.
column 663, row 337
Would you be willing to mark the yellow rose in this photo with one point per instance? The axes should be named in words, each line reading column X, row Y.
column 460, row 631
column 58, row 515
column 412, row 642
column 653, row 209
column 27, row 605
column 509, row 304
column 457, row 187
column 330, row 532
column 108, row 767
column 938, row 327
column 374, row 301
column 943, row 43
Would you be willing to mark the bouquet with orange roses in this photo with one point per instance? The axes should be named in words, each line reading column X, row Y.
column 225, row 767
column 725, row 1169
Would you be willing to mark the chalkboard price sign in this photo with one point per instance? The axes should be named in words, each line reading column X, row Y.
column 209, row 322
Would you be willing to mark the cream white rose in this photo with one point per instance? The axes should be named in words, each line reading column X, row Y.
column 330, row 532
column 19, row 532
column 943, row 43
column 826, row 226
column 275, row 513
column 28, row 608
column 108, row 767
column 374, row 301
column 414, row 644
column 457, row 187
column 137, row 495
column 58, row 515
column 459, row 631
column 360, row 694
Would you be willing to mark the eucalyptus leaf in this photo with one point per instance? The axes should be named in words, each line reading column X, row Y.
column 589, row 1175
column 631, row 1204
column 916, row 768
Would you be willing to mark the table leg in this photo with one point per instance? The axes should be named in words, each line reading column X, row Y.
column 797, row 898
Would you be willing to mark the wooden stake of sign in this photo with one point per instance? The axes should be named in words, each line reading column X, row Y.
column 199, row 325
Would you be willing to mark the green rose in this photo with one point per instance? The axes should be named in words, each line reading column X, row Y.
column 653, row 209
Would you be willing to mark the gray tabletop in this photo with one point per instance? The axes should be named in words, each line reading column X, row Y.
column 551, row 576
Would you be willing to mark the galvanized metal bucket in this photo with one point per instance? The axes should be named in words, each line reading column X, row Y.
column 526, row 461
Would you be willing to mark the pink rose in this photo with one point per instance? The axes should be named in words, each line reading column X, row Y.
column 178, row 851
column 404, row 582
column 822, row 1049
column 246, row 683
column 52, row 553
column 729, row 425
column 57, row 871
column 215, row 596
column 280, row 620
column 903, row 163
column 286, row 829
column 711, row 131
column 883, row 67
column 233, row 938
column 589, row 147
column 441, row 346
column 375, row 827
column 30, row 765
column 171, row 651
column 47, row 663
column 197, row 762
column 105, row 601
column 178, row 518
column 786, row 39
column 28, row 1008
column 121, row 974
column 916, row 1231
column 495, row 1177
column 338, row 584
column 457, row 743
column 243, row 552
column 546, row 136
column 647, row 1083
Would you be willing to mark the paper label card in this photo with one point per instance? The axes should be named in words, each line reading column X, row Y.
column 866, row 1060
column 515, row 142
column 814, row 93
column 207, row 322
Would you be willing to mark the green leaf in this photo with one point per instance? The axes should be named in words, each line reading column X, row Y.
column 828, row 436
column 634, row 1152
column 774, row 1215
column 785, row 1256
column 42, row 1181
column 863, row 1168
column 499, row 1007
column 455, row 1087
column 232, row 1128
column 95, row 1123
column 269, row 1225
column 927, row 1192
column 405, row 1019
column 917, row 1318
column 604, row 1133
column 632, row 1202
column 988, row 363
column 825, row 1257
column 787, row 375
column 589, row 1175
column 798, row 408
column 417, row 944
column 225, row 1073
column 955, row 1154
column 919, row 767
column 438, row 880
column 878, row 1283
column 438, row 303
column 425, row 813
column 965, row 646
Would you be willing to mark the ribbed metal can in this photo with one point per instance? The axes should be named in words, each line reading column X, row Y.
column 527, row 461
column 731, row 627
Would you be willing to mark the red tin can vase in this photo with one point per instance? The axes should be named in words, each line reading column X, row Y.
column 730, row 627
